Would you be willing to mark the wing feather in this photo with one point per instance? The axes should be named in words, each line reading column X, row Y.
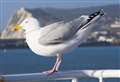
column 60, row 32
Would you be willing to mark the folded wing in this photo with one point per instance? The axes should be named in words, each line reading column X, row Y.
column 60, row 32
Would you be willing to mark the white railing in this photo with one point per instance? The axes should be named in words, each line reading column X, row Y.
column 74, row 75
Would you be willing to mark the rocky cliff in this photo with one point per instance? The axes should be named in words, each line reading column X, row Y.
column 50, row 15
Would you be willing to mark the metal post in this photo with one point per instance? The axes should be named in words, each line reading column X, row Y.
column 100, row 79
column 101, row 76
column 75, row 80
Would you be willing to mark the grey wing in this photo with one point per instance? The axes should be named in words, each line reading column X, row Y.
column 60, row 32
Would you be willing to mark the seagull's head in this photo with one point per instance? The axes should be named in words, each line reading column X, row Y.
column 27, row 24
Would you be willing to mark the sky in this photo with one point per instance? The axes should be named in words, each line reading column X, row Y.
column 8, row 7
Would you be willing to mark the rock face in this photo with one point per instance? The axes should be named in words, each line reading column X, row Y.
column 47, row 16
column 15, row 19
column 43, row 17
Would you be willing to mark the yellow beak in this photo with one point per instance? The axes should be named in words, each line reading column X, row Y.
column 17, row 27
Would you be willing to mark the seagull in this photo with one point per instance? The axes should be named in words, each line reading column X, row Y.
column 59, row 37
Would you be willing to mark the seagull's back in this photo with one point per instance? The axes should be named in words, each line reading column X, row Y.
column 54, row 38
column 60, row 32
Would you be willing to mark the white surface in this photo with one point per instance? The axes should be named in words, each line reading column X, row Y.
column 65, row 75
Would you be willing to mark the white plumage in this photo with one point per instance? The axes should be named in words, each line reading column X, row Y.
column 60, row 37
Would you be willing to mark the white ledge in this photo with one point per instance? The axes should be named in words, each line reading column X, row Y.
column 61, row 75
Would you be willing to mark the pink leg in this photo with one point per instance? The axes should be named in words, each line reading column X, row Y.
column 56, row 66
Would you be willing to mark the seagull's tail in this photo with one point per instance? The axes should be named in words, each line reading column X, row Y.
column 92, row 18
column 90, row 21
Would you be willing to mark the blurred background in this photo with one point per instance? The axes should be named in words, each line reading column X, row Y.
column 106, row 32
column 101, row 51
